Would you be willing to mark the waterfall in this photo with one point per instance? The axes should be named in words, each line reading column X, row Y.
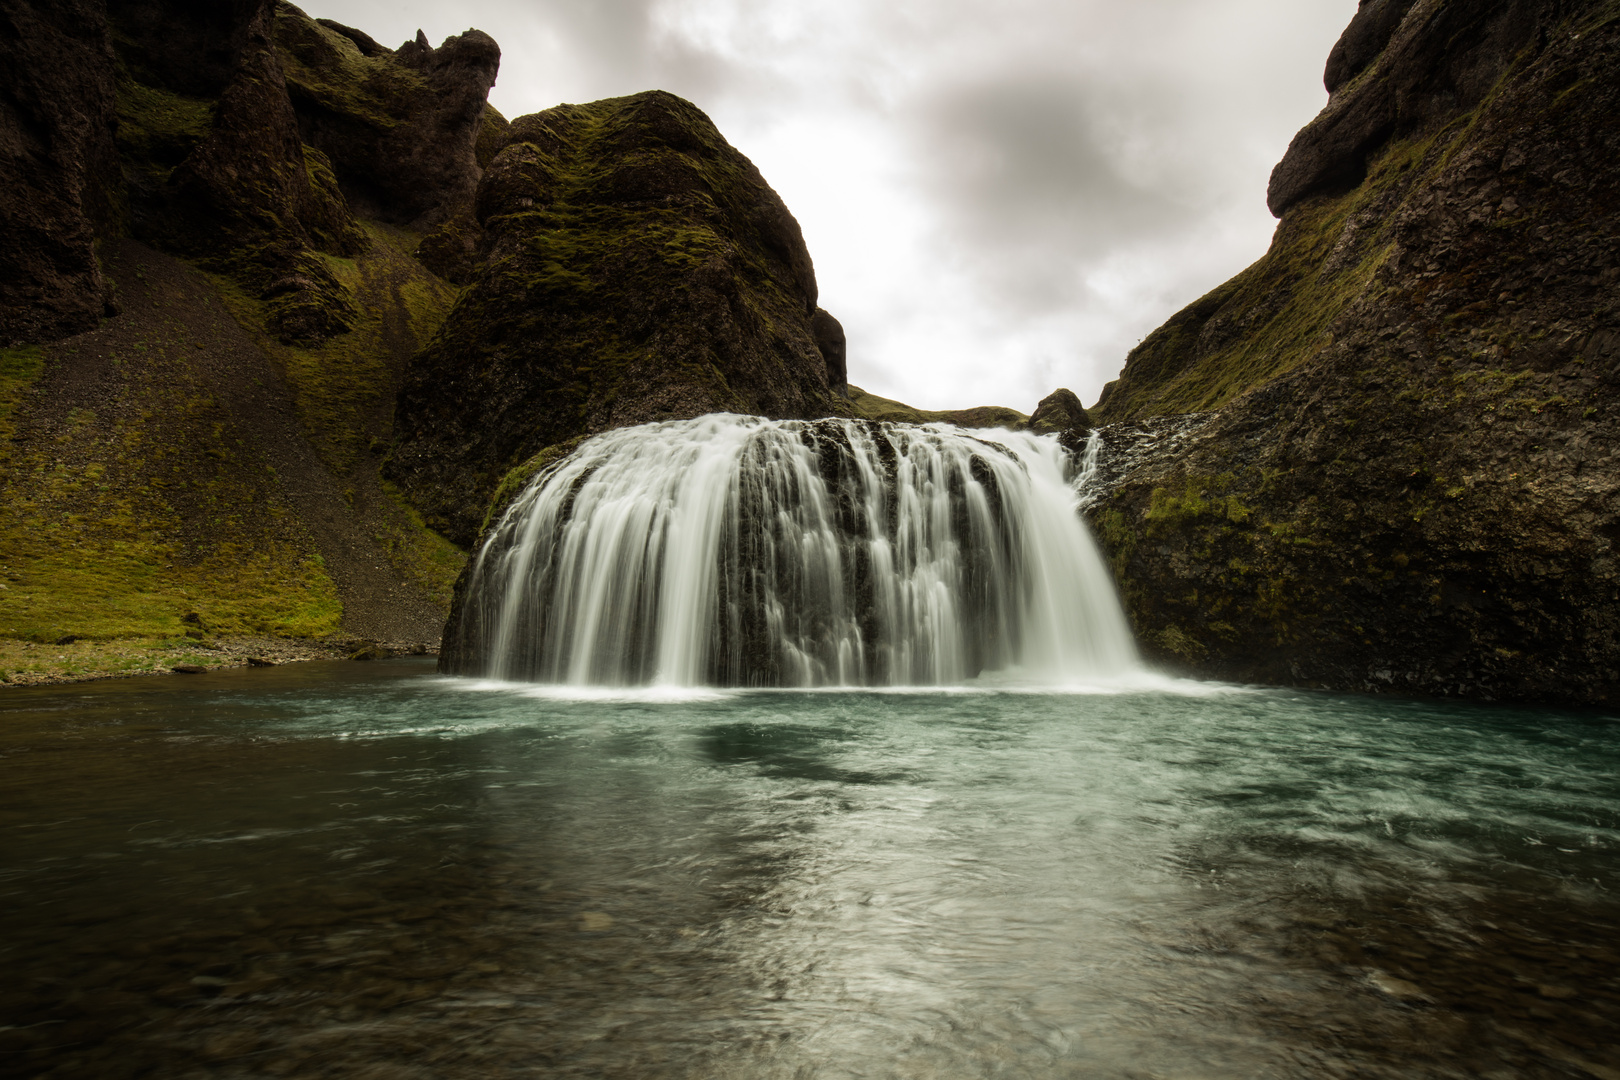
column 737, row 551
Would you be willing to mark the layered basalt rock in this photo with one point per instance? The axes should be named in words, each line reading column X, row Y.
column 636, row 268
column 1383, row 457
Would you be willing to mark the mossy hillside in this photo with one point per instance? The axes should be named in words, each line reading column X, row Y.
column 639, row 269
column 117, row 521
column 872, row 407
column 1273, row 317
column 345, row 389
column 1331, row 254
column 416, row 552
column 19, row 368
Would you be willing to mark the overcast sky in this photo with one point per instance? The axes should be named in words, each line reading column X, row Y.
column 1001, row 196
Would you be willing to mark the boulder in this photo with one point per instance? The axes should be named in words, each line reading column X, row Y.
column 829, row 334
column 1060, row 413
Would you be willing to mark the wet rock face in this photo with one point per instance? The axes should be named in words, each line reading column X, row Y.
column 58, row 167
column 1398, row 467
column 638, row 269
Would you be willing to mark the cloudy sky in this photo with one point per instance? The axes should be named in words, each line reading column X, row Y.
column 1001, row 196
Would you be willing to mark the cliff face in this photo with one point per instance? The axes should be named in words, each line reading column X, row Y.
column 1383, row 457
column 632, row 266
column 57, row 167
column 208, row 297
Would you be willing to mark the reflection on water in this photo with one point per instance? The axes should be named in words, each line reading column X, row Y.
column 353, row 870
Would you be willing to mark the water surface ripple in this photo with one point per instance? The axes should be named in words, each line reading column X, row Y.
column 371, row 870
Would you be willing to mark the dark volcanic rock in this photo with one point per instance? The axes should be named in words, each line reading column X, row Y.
column 253, row 201
column 1441, row 62
column 639, row 269
column 400, row 128
column 829, row 334
column 1409, row 480
column 1374, row 24
column 1060, row 413
column 58, row 166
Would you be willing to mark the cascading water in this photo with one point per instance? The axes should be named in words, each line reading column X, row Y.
column 737, row 551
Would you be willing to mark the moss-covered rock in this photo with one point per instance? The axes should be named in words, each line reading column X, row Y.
column 1407, row 481
column 638, row 268
column 403, row 127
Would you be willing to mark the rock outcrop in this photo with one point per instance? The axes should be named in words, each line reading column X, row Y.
column 1060, row 413
column 248, row 136
column 215, row 447
column 636, row 268
column 829, row 335
column 400, row 127
column 58, row 168
column 1384, row 456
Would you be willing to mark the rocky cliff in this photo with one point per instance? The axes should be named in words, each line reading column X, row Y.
column 251, row 256
column 631, row 266
column 1384, row 456
column 209, row 292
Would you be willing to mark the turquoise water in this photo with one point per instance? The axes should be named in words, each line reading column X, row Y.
column 356, row 870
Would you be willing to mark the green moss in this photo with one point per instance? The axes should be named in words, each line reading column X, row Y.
column 418, row 553
column 326, row 72
column 19, row 367
column 1179, row 643
column 131, row 516
column 343, row 384
column 518, row 478
column 1200, row 498
column 158, row 128
column 1275, row 315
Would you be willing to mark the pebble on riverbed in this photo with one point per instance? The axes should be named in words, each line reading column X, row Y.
column 1399, row 989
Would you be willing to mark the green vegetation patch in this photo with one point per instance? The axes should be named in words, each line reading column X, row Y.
column 328, row 72
column 19, row 368
column 418, row 553
column 115, row 523
column 520, row 476
column 345, row 386
column 158, row 128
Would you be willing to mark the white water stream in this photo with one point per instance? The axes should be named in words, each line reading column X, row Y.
column 737, row 551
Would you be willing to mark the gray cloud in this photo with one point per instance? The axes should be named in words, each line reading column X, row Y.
column 1001, row 195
